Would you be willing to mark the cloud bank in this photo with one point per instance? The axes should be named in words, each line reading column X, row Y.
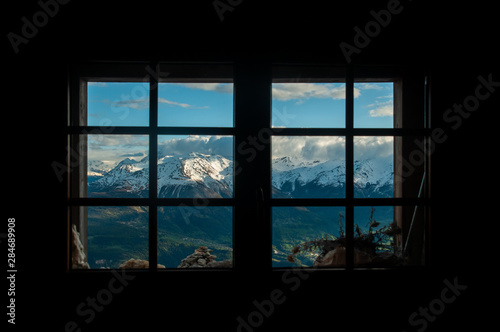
column 221, row 145
column 297, row 91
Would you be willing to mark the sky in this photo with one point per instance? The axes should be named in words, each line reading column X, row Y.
column 322, row 105
column 294, row 105
column 179, row 104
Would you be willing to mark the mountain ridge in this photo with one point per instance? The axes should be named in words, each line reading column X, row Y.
column 197, row 175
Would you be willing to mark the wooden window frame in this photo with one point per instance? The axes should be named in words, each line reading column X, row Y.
column 252, row 115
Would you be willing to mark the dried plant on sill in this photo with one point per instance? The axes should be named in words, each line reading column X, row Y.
column 365, row 244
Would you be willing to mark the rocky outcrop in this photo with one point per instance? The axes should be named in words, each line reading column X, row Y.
column 202, row 258
column 137, row 264
column 78, row 258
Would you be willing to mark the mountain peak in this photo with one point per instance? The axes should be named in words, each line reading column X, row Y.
column 127, row 161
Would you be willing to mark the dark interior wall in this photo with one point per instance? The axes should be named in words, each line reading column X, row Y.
column 457, row 42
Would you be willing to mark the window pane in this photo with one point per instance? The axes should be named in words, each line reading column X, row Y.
column 373, row 239
column 195, row 166
column 308, row 105
column 296, row 226
column 308, row 167
column 374, row 105
column 378, row 234
column 112, row 104
column 195, row 104
column 117, row 234
column 373, row 166
column 184, row 229
column 118, row 166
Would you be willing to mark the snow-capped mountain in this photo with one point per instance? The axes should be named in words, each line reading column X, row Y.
column 316, row 179
column 191, row 175
column 200, row 175
column 195, row 175
column 307, row 179
column 372, row 179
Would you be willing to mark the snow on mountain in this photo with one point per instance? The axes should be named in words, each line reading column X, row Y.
column 191, row 175
column 372, row 179
column 368, row 172
column 326, row 179
column 128, row 176
column 293, row 171
column 202, row 175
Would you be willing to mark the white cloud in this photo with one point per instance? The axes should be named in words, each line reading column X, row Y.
column 217, row 87
column 388, row 96
column 369, row 86
column 382, row 109
column 298, row 91
column 309, row 148
column 183, row 105
column 221, row 145
column 373, row 147
column 99, row 84
column 143, row 103
column 111, row 149
column 379, row 149
column 137, row 104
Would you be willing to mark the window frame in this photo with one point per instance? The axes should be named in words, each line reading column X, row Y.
column 252, row 117
column 409, row 122
column 152, row 73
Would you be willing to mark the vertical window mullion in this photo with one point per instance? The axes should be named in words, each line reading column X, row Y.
column 349, row 177
column 252, row 182
column 153, row 171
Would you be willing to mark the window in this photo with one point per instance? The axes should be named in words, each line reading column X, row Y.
column 191, row 165
column 154, row 177
column 342, row 193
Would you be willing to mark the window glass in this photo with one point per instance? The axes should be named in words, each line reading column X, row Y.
column 373, row 166
column 308, row 230
column 308, row 105
column 308, row 166
column 195, row 236
column 374, row 105
column 195, row 166
column 117, row 237
column 377, row 235
column 113, row 104
column 118, row 166
column 195, row 104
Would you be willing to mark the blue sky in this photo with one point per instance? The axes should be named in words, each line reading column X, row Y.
column 113, row 104
column 294, row 105
column 179, row 104
column 195, row 104
column 373, row 105
column 322, row 105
